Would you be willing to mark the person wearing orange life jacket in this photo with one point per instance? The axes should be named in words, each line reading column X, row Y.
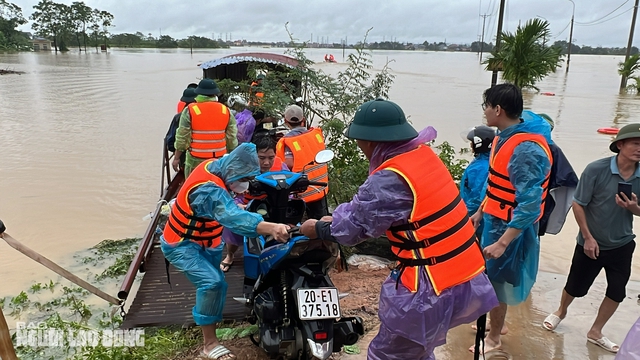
column 207, row 129
column 519, row 168
column 184, row 99
column 192, row 237
column 298, row 148
column 409, row 195
column 266, row 148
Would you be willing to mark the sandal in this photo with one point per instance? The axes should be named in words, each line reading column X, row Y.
column 605, row 343
column 225, row 266
column 217, row 352
column 551, row 322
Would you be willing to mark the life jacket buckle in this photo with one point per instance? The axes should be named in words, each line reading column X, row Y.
column 502, row 206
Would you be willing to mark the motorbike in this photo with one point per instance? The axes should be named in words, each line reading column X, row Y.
column 287, row 288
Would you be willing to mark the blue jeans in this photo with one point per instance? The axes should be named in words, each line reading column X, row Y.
column 202, row 267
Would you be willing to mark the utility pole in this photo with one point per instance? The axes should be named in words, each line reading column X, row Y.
column 623, row 82
column 494, row 76
column 571, row 35
column 484, row 18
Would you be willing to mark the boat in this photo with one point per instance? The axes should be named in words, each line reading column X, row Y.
column 608, row 131
column 158, row 302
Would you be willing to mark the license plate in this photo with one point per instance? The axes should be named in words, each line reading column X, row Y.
column 315, row 304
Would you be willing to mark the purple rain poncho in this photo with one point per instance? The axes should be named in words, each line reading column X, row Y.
column 630, row 349
column 412, row 324
column 246, row 125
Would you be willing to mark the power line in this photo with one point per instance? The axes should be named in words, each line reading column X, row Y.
column 594, row 21
column 563, row 30
column 604, row 21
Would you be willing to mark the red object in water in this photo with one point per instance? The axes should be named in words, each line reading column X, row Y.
column 608, row 130
column 548, row 94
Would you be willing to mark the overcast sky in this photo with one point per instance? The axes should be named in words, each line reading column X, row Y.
column 457, row 21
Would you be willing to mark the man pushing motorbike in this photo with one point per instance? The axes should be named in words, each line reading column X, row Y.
column 409, row 195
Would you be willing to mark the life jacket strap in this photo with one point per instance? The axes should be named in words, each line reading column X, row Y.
column 208, row 238
column 434, row 260
column 413, row 226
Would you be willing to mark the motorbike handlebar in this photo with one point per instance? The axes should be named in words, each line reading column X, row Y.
column 317, row 183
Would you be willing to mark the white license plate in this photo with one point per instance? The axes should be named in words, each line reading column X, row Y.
column 315, row 304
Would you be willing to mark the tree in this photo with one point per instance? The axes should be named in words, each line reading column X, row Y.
column 628, row 68
column 101, row 21
column 166, row 41
column 45, row 21
column 10, row 18
column 81, row 15
column 523, row 57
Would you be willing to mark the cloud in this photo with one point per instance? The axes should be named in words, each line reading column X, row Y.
column 407, row 20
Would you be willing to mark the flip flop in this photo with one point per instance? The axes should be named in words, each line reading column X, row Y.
column 226, row 266
column 217, row 352
column 551, row 322
column 605, row 343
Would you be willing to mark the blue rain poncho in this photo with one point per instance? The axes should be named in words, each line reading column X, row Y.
column 514, row 273
column 202, row 265
column 473, row 182
column 384, row 200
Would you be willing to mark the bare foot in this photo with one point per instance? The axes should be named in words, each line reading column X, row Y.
column 504, row 330
column 489, row 345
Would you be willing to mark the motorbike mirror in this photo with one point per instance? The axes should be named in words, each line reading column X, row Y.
column 324, row 156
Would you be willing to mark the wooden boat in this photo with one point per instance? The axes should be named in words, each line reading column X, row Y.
column 157, row 302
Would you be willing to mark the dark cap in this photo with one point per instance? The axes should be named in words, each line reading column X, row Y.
column 380, row 120
column 208, row 87
column 628, row 132
column 188, row 95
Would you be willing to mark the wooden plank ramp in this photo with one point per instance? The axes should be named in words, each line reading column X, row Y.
column 159, row 304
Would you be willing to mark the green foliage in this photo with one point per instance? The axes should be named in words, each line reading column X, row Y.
column 523, row 57
column 456, row 166
column 10, row 18
column 630, row 66
column 166, row 41
column 331, row 102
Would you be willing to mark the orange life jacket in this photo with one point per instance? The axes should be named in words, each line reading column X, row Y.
column 501, row 194
column 181, row 106
column 304, row 148
column 277, row 166
column 182, row 223
column 439, row 237
column 209, row 122
column 256, row 97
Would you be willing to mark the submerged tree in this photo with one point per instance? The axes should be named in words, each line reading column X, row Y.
column 81, row 15
column 523, row 57
column 628, row 68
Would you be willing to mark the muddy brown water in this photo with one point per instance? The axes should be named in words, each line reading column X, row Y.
column 82, row 137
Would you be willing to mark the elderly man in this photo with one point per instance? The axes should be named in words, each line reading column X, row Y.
column 409, row 195
column 606, row 239
column 207, row 129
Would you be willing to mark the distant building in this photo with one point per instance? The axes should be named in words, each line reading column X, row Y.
column 41, row 44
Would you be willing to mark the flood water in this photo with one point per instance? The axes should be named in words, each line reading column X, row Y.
column 82, row 136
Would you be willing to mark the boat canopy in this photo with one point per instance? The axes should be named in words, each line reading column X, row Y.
column 235, row 66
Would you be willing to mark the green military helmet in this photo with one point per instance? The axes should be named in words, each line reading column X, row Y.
column 380, row 120
column 208, row 87
column 188, row 95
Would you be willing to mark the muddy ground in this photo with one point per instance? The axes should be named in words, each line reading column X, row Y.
column 363, row 287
